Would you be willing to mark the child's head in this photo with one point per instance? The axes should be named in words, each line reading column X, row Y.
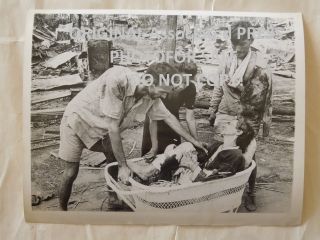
column 189, row 68
column 247, row 135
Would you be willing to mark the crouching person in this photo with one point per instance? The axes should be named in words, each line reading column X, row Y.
column 95, row 118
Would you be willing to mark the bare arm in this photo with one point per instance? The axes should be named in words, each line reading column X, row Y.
column 216, row 98
column 214, row 103
column 173, row 122
column 117, row 148
column 191, row 122
column 153, row 130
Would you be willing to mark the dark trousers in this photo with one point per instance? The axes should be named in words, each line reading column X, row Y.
column 252, row 179
column 165, row 134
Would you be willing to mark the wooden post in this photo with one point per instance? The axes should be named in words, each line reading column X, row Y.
column 79, row 20
column 171, row 41
column 98, row 57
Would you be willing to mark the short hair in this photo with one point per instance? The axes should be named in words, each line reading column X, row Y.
column 190, row 68
column 187, row 67
column 246, row 25
column 246, row 137
column 156, row 69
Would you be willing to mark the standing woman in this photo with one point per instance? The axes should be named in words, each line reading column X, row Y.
column 244, row 91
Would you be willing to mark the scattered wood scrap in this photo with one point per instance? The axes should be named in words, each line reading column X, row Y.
column 60, row 59
column 47, row 114
column 286, row 73
column 43, row 35
column 37, row 199
column 53, row 130
column 283, row 110
column 48, row 143
column 49, row 96
column 282, row 118
column 58, row 82
column 42, row 140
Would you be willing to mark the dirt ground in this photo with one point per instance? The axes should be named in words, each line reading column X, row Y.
column 90, row 193
column 274, row 155
column 274, row 158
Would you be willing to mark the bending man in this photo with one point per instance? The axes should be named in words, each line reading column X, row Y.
column 95, row 118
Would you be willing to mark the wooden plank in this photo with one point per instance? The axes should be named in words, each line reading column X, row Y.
column 47, row 114
column 43, row 140
column 286, row 73
column 45, row 144
column 99, row 55
column 282, row 118
column 52, row 130
column 60, row 59
column 48, row 111
column 48, row 96
column 58, row 82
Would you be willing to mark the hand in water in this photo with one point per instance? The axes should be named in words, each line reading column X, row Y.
column 124, row 174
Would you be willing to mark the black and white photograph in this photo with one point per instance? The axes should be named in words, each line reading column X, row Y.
column 165, row 115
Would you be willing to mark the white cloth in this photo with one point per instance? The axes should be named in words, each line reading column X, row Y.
column 236, row 72
column 158, row 162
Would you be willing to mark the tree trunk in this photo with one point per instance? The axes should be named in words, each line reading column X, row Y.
column 194, row 20
column 79, row 20
column 171, row 37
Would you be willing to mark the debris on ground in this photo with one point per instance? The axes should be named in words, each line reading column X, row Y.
column 62, row 67
column 57, row 82
column 60, row 59
column 37, row 199
column 48, row 96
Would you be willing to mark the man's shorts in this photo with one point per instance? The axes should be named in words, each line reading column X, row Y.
column 71, row 145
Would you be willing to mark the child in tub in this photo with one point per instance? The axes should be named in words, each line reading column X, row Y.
column 184, row 164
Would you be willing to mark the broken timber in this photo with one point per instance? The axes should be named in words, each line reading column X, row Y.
column 47, row 114
column 60, row 59
column 286, row 73
column 58, row 82
column 49, row 96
